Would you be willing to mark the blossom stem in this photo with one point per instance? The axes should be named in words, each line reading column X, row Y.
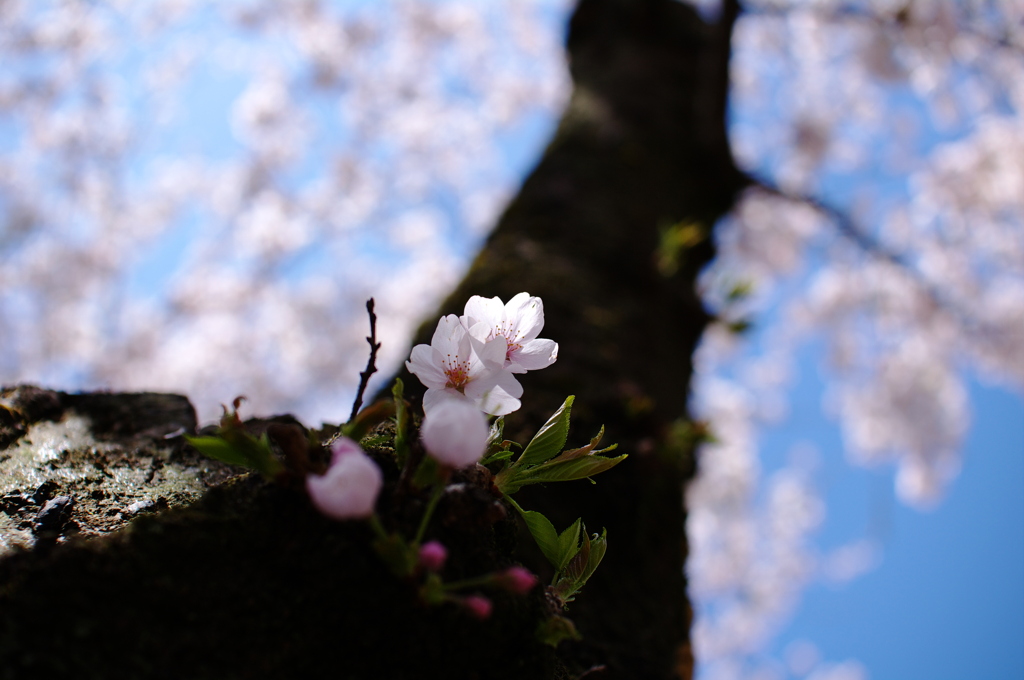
column 377, row 527
column 434, row 498
column 484, row 580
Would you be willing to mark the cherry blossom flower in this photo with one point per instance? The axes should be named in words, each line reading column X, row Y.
column 455, row 365
column 349, row 489
column 455, row 433
column 519, row 322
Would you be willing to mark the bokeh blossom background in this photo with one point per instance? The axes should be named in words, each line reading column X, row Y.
column 199, row 197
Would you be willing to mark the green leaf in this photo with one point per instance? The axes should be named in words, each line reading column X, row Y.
column 565, row 588
column 239, row 448
column 553, row 630
column 367, row 419
column 497, row 430
column 579, row 468
column 507, row 481
column 542, row 530
column 236, row 446
column 569, row 454
column 581, row 567
column 740, row 290
column 261, row 458
column 501, row 454
column 568, row 544
column 578, row 564
column 427, row 474
column 740, row 326
column 218, row 449
column 550, row 438
column 598, row 547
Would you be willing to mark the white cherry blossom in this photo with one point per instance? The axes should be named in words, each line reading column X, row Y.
column 455, row 365
column 519, row 322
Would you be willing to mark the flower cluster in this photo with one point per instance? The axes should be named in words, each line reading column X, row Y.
column 469, row 370
column 474, row 357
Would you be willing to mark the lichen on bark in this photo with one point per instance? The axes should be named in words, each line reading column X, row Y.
column 114, row 455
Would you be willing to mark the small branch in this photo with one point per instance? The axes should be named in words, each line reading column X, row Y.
column 371, row 365
column 859, row 13
column 842, row 221
column 868, row 244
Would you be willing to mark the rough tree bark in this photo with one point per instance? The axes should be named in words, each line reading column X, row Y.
column 610, row 230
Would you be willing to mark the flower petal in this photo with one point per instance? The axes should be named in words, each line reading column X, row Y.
column 525, row 314
column 425, row 363
column 448, row 335
column 535, row 354
column 455, row 433
column 432, row 397
column 498, row 402
column 498, row 396
column 491, row 354
column 350, row 488
column 483, row 310
column 508, row 382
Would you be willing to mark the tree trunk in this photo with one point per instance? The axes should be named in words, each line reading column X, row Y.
column 611, row 230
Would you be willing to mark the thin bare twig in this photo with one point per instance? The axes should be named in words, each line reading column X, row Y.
column 371, row 365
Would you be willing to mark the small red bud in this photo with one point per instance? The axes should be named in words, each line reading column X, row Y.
column 433, row 555
column 517, row 580
column 478, row 606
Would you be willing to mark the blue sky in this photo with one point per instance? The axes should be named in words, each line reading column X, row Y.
column 947, row 599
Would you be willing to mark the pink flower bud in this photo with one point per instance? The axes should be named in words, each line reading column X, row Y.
column 350, row 487
column 478, row 606
column 432, row 555
column 517, row 580
column 455, row 433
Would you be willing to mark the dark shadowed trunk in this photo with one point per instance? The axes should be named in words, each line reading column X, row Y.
column 611, row 230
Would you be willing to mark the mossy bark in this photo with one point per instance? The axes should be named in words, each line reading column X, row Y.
column 250, row 581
